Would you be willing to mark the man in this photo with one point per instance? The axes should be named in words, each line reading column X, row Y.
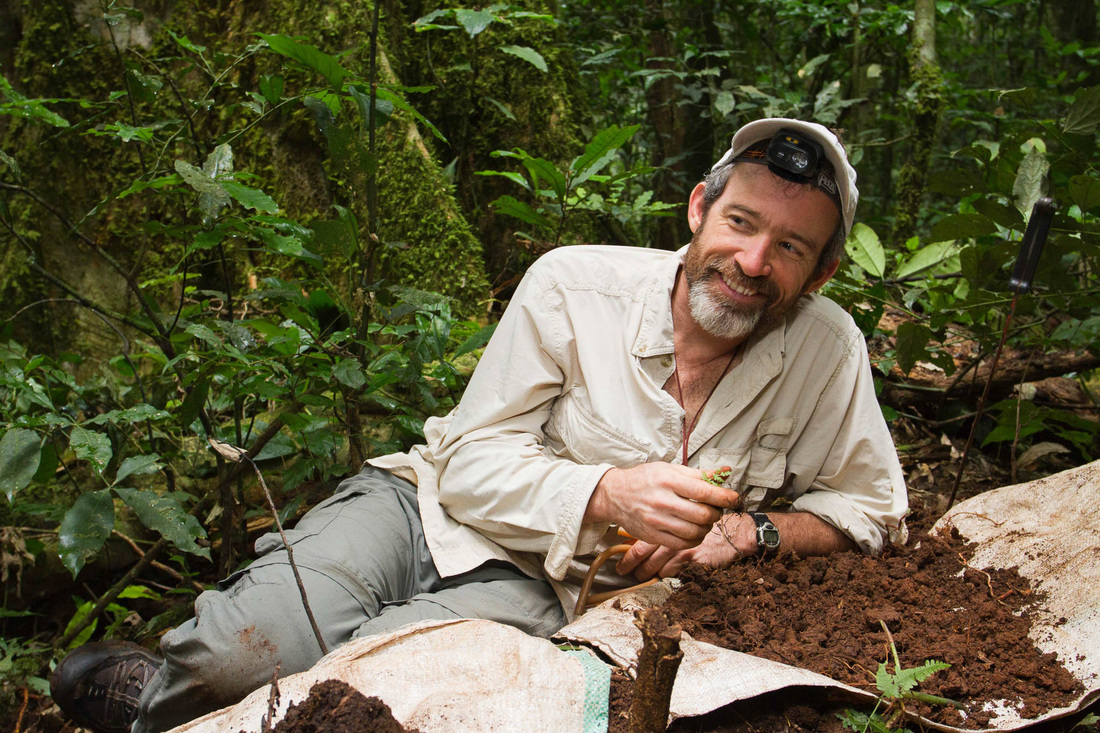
column 616, row 377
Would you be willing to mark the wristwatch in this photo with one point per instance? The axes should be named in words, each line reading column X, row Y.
column 767, row 534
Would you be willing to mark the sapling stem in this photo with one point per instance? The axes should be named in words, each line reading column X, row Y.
column 233, row 453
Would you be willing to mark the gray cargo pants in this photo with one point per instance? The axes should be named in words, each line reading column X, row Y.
column 366, row 569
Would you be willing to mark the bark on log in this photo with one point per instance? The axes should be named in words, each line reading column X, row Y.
column 657, row 664
column 928, row 388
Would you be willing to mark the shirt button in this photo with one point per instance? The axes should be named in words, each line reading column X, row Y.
column 666, row 360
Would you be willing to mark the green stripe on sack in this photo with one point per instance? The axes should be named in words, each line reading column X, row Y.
column 597, row 690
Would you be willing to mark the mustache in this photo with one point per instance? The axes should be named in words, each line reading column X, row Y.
column 732, row 272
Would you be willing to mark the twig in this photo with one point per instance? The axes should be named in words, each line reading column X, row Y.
column 22, row 710
column 233, row 453
column 272, row 701
column 158, row 565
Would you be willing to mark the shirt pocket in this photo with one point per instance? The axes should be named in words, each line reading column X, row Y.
column 575, row 432
column 760, row 469
column 768, row 455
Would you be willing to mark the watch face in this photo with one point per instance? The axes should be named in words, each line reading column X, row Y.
column 770, row 535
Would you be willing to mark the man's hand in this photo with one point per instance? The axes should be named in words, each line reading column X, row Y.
column 660, row 503
column 731, row 538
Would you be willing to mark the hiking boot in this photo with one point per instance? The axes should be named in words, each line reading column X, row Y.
column 98, row 685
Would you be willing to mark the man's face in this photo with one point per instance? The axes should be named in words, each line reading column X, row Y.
column 756, row 251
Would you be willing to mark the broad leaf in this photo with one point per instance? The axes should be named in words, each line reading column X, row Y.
column 476, row 341
column 512, row 207
column 474, row 21
column 912, row 344
column 91, row 446
column 962, row 226
column 599, row 152
column 84, row 529
column 212, row 197
column 349, row 373
column 251, row 198
column 20, row 453
column 926, row 257
column 529, row 55
column 398, row 101
column 164, row 515
column 325, row 65
column 1030, row 179
column 1085, row 191
column 1084, row 115
column 865, row 249
column 135, row 465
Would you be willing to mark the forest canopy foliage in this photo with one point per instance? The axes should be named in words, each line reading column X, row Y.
column 292, row 230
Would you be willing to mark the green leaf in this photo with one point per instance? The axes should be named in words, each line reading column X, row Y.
column 599, row 152
column 212, row 197
column 136, row 465
column 474, row 21
column 398, row 101
column 504, row 110
column 1030, row 179
column 271, row 87
column 84, row 529
column 130, row 415
column 164, row 515
column 912, row 344
column 529, row 55
column 251, row 198
column 91, row 446
column 1084, row 114
column 541, row 169
column 865, row 249
column 1085, row 191
column 349, row 373
column 476, row 341
column 925, row 258
column 962, row 226
column 325, row 65
column 511, row 207
column 194, row 401
column 20, row 453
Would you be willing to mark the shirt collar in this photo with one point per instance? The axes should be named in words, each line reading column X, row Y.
column 655, row 333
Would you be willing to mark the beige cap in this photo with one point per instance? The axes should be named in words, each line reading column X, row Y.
column 845, row 177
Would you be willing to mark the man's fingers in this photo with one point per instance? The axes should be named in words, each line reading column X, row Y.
column 633, row 557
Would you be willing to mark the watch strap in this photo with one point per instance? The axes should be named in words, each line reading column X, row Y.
column 767, row 534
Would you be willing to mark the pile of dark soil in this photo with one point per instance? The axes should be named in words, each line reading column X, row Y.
column 825, row 614
column 337, row 707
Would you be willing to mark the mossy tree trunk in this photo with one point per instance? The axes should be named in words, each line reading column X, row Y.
column 912, row 179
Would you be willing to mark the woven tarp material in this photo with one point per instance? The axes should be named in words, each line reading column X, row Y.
column 1049, row 529
column 448, row 676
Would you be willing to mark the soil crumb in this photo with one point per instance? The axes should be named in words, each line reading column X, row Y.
column 827, row 615
column 337, row 707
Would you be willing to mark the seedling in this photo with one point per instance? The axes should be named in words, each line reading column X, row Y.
column 718, row 476
column 895, row 687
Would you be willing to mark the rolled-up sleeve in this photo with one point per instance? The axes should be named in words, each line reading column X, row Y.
column 859, row 488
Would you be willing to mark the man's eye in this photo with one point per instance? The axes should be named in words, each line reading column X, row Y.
column 791, row 247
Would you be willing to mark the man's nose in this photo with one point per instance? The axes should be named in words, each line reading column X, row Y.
column 754, row 259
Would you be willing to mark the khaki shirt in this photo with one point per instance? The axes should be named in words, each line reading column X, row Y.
column 571, row 385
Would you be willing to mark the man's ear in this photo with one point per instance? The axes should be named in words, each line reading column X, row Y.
column 821, row 278
column 695, row 206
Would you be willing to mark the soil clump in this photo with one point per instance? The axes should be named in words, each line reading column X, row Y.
column 337, row 707
column 826, row 615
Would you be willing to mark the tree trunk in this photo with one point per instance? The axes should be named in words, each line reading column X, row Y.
column 913, row 176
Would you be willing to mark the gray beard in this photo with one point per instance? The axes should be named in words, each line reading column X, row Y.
column 717, row 318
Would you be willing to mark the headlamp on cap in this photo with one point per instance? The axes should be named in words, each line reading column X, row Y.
column 794, row 156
